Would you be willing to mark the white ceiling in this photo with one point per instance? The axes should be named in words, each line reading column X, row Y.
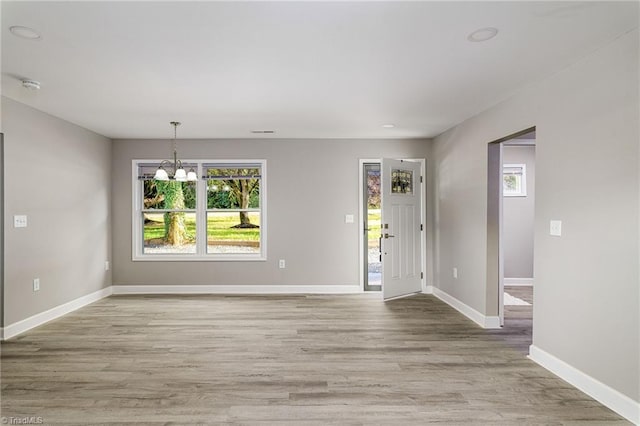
column 303, row 69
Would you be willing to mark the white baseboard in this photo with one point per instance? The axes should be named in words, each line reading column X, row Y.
column 528, row 282
column 480, row 319
column 621, row 404
column 236, row 289
column 26, row 324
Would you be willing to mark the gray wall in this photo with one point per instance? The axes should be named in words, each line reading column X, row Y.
column 518, row 214
column 311, row 185
column 586, row 303
column 59, row 176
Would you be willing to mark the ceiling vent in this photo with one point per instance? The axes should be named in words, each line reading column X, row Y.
column 31, row 84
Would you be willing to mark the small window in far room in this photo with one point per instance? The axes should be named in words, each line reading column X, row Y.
column 514, row 180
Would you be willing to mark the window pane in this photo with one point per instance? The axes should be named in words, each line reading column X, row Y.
column 169, row 195
column 512, row 183
column 233, row 232
column 233, row 188
column 169, row 233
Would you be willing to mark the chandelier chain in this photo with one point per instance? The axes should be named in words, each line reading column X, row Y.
column 175, row 125
column 179, row 173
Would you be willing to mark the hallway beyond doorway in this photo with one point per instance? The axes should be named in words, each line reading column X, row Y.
column 518, row 320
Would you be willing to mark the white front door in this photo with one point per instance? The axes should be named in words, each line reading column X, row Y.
column 401, row 228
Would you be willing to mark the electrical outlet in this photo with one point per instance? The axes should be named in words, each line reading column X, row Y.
column 36, row 284
column 106, row 265
column 281, row 264
column 455, row 273
column 555, row 228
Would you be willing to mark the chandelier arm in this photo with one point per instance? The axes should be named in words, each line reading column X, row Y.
column 167, row 162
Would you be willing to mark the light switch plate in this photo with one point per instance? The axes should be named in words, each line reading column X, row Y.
column 555, row 228
column 348, row 218
column 20, row 221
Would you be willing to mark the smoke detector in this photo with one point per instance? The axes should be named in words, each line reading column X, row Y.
column 31, row 84
column 25, row 32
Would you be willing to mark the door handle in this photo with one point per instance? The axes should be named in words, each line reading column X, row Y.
column 389, row 236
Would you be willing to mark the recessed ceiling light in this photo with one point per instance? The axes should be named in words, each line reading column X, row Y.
column 483, row 34
column 263, row 131
column 388, row 126
column 25, row 32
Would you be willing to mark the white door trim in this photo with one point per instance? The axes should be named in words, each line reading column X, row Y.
column 423, row 212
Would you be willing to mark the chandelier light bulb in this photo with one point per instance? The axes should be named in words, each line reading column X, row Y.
column 161, row 174
column 181, row 175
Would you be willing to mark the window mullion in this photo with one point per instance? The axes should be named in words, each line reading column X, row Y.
column 201, row 215
column 139, row 221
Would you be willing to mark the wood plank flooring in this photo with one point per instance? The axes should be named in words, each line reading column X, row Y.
column 518, row 321
column 281, row 360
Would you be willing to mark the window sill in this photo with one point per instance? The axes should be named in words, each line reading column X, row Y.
column 197, row 258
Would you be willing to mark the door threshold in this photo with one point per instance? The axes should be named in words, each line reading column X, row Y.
column 402, row 296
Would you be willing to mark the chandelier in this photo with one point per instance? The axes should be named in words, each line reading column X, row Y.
column 179, row 173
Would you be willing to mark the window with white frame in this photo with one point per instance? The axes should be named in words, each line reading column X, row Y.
column 221, row 216
column 514, row 180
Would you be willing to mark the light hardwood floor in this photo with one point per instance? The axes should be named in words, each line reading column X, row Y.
column 518, row 321
column 272, row 360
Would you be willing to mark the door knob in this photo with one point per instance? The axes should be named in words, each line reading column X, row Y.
column 389, row 236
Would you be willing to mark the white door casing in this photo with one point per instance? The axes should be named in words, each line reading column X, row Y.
column 401, row 233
